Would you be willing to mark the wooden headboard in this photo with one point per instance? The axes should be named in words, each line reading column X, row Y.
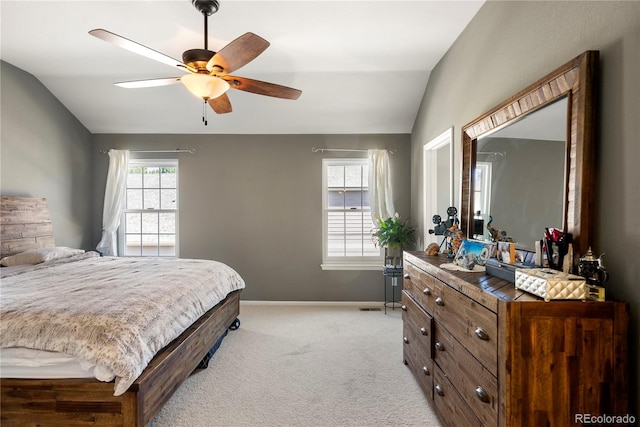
column 24, row 224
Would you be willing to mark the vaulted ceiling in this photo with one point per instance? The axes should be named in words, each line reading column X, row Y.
column 362, row 65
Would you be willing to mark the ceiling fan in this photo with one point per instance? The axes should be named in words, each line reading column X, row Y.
column 207, row 72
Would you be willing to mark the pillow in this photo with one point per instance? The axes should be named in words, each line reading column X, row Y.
column 38, row 255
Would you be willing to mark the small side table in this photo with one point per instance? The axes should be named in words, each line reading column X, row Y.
column 393, row 272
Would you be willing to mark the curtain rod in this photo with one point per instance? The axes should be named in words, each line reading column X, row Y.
column 315, row 150
column 176, row 150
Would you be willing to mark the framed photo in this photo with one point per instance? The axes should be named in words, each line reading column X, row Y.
column 472, row 253
column 507, row 253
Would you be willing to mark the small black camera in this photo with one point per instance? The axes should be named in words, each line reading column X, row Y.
column 442, row 226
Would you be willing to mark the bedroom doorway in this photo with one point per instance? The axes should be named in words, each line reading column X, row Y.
column 437, row 176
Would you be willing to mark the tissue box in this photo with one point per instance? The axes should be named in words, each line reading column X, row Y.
column 551, row 284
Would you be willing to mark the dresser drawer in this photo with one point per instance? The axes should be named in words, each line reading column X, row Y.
column 416, row 320
column 421, row 286
column 473, row 325
column 419, row 363
column 449, row 405
column 475, row 384
column 417, row 342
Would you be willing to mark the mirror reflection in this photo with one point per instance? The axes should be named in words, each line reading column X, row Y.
column 519, row 178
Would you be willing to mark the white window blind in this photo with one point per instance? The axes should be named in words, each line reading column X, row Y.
column 150, row 217
column 347, row 223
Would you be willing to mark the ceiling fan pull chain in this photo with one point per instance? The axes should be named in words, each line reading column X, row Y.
column 204, row 111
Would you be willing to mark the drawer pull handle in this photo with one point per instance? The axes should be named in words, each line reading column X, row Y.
column 406, row 340
column 439, row 390
column 439, row 346
column 423, row 330
column 406, row 276
column 482, row 395
column 439, row 301
column 404, row 307
column 427, row 291
column 425, row 370
column 482, row 334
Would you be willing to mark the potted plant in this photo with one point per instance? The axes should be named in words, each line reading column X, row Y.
column 393, row 234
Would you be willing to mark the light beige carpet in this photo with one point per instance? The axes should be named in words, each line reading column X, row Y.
column 301, row 365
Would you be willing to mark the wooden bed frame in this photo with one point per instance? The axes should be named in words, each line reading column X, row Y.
column 89, row 402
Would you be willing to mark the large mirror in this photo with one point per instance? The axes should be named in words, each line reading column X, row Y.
column 529, row 161
column 509, row 182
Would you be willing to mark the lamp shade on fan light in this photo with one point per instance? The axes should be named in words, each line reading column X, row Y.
column 204, row 86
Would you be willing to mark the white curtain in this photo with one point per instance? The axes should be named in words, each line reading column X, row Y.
column 380, row 190
column 113, row 201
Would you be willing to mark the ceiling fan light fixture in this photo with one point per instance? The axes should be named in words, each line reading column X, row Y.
column 204, row 86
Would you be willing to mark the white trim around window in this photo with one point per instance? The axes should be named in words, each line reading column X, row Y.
column 151, row 211
column 346, row 217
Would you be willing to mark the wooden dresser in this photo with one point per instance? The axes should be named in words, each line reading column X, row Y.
column 486, row 354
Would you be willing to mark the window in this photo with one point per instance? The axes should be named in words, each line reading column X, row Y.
column 347, row 223
column 482, row 187
column 149, row 220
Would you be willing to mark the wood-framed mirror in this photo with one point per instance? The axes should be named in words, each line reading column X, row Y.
column 574, row 82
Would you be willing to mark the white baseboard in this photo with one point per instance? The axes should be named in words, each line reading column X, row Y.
column 362, row 304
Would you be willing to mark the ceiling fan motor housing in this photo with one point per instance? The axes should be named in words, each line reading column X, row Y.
column 206, row 7
column 197, row 58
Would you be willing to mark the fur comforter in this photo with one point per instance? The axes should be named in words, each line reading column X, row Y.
column 113, row 312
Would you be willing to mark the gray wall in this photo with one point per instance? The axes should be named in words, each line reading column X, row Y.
column 509, row 45
column 255, row 203
column 45, row 153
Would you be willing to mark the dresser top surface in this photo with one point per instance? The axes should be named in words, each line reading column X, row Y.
column 482, row 287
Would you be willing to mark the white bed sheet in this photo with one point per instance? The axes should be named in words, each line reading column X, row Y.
column 27, row 363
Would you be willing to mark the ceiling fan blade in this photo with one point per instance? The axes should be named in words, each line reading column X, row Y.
column 134, row 47
column 262, row 88
column 136, row 84
column 236, row 54
column 221, row 104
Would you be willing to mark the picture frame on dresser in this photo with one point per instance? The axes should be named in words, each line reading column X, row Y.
column 506, row 252
column 472, row 253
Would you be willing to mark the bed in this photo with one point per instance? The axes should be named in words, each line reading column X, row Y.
column 156, row 354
